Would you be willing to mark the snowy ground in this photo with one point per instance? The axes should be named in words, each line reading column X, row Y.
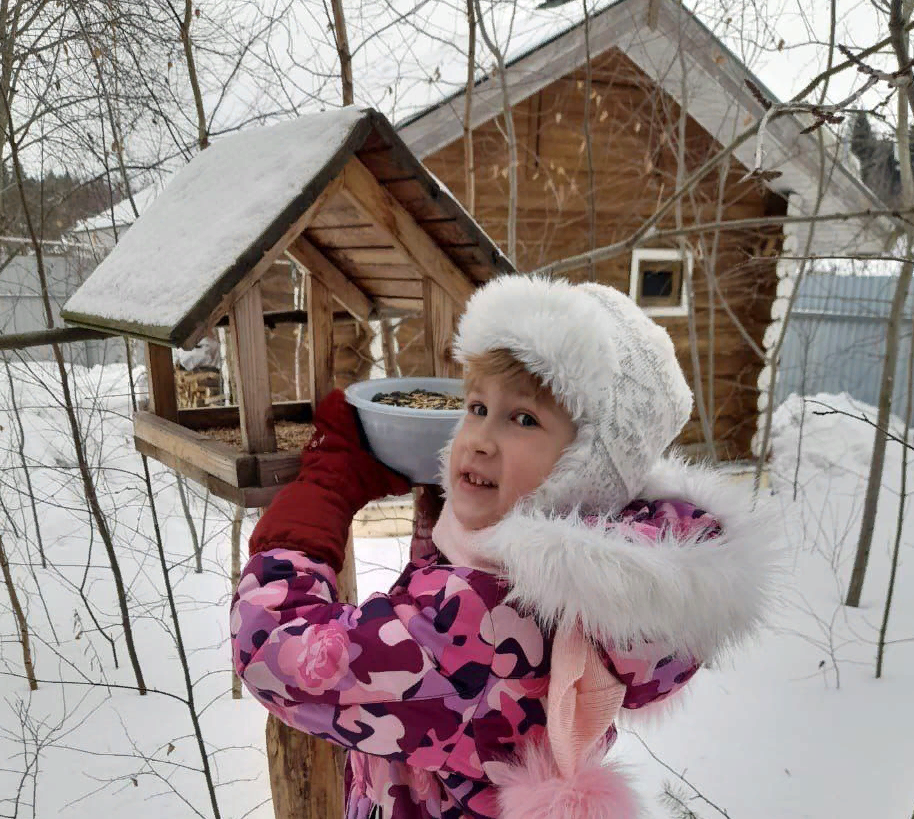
column 794, row 726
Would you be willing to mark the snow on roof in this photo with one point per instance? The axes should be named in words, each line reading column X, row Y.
column 214, row 220
column 121, row 214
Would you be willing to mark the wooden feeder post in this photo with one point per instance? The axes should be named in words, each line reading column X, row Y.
column 306, row 773
column 252, row 373
column 160, row 372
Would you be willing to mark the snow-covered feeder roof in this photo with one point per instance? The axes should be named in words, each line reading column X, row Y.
column 248, row 198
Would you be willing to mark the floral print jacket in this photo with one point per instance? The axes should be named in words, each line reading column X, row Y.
column 427, row 683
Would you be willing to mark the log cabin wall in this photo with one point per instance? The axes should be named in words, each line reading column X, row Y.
column 634, row 136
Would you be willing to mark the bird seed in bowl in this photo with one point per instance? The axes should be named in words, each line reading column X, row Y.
column 419, row 399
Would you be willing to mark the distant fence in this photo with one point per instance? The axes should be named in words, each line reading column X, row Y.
column 22, row 305
column 836, row 339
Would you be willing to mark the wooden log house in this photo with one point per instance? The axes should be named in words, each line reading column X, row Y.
column 652, row 61
column 341, row 195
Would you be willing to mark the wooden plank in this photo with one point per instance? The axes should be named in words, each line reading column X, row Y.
column 277, row 468
column 385, row 164
column 339, row 285
column 268, row 260
column 441, row 315
column 387, row 271
column 337, row 211
column 218, row 487
column 160, row 371
column 402, row 288
column 366, row 193
column 354, row 235
column 352, row 258
column 208, row 417
column 205, row 455
column 260, row 497
column 415, row 197
column 252, row 372
column 398, row 304
column 320, row 339
column 247, row 496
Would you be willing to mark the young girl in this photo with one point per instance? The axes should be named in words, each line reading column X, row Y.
column 573, row 572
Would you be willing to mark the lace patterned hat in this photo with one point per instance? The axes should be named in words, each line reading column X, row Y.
column 611, row 367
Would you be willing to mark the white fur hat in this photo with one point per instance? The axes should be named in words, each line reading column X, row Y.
column 605, row 361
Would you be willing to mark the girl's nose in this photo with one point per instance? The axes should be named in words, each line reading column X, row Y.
column 482, row 440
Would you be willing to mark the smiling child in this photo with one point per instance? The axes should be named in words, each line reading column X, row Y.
column 575, row 573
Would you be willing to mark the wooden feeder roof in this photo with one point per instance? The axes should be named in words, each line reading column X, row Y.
column 338, row 191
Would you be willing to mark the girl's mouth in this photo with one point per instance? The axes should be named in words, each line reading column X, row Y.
column 475, row 481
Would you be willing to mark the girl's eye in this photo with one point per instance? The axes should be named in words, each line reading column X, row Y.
column 525, row 419
column 477, row 409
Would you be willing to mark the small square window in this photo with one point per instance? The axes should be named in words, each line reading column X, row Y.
column 658, row 281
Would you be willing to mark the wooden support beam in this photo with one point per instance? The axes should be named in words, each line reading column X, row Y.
column 246, row 496
column 203, row 454
column 441, row 314
column 320, row 338
column 249, row 345
column 160, row 371
column 339, row 285
column 268, row 259
column 376, row 204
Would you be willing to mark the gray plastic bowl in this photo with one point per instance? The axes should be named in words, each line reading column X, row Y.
column 406, row 439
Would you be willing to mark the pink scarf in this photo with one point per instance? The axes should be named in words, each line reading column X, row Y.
column 584, row 698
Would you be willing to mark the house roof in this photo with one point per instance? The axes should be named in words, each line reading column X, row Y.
column 717, row 97
column 121, row 214
column 175, row 271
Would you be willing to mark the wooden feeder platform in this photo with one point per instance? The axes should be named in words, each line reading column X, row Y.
column 340, row 195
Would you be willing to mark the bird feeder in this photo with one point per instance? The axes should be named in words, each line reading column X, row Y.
column 337, row 192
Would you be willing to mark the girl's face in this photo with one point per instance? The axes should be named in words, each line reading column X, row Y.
column 507, row 446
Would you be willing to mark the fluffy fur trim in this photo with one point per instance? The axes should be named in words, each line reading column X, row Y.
column 533, row 789
column 696, row 596
column 604, row 360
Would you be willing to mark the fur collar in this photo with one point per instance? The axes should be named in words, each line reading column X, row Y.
column 697, row 597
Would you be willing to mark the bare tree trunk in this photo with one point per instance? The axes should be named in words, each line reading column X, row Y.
column 902, row 499
column 237, row 519
column 342, row 49
column 185, row 507
column 84, row 471
column 511, row 134
column 897, row 21
column 25, row 466
column 588, row 145
column 20, row 619
column 176, row 623
column 184, row 25
column 706, row 428
column 468, row 160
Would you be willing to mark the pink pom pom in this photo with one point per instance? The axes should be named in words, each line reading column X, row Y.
column 533, row 788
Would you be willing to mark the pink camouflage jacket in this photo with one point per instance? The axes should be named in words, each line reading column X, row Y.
column 448, row 670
